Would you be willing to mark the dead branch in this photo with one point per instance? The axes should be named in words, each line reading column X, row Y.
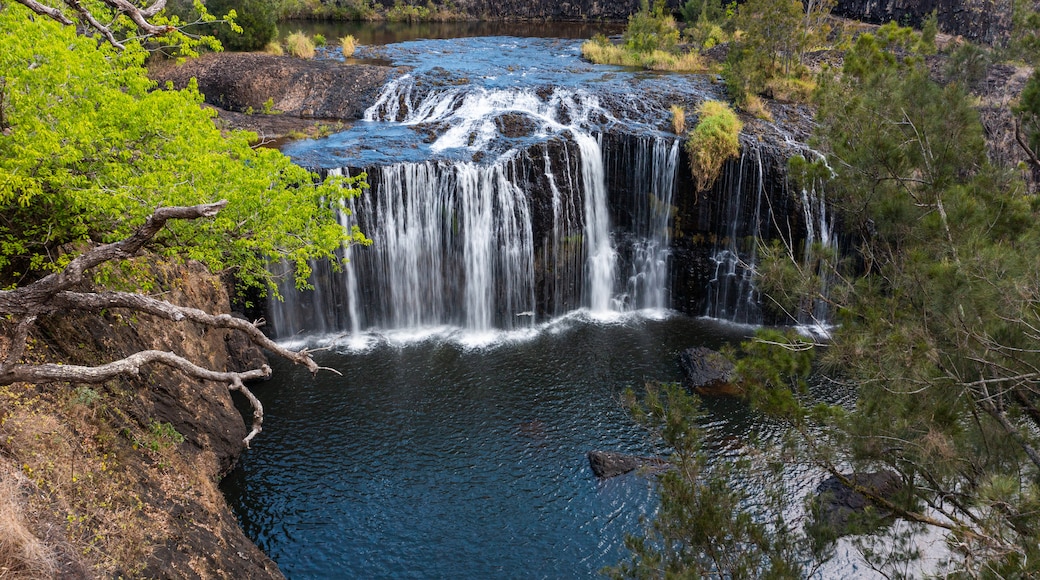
column 138, row 14
column 55, row 293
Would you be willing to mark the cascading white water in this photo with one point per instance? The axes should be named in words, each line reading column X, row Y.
column 602, row 258
column 656, row 165
column 820, row 246
column 732, row 294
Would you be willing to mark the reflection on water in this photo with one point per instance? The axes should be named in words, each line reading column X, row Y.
column 379, row 33
column 434, row 459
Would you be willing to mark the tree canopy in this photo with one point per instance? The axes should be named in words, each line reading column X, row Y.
column 97, row 164
column 91, row 146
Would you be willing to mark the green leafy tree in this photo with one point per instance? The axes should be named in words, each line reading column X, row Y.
column 98, row 164
column 651, row 29
column 256, row 21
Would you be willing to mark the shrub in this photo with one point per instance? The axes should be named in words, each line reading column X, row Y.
column 349, row 45
column 678, row 119
column 650, row 30
column 715, row 139
column 319, row 40
column 274, row 48
column 300, row 45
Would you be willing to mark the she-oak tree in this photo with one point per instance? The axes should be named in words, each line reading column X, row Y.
column 97, row 165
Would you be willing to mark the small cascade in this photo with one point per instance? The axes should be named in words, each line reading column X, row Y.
column 732, row 294
column 820, row 247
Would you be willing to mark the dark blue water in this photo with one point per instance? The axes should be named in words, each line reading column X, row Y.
column 430, row 459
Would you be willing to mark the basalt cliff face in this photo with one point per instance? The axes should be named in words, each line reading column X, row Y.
column 120, row 479
column 986, row 21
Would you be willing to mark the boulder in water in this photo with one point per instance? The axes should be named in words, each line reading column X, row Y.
column 707, row 372
column 607, row 464
column 838, row 503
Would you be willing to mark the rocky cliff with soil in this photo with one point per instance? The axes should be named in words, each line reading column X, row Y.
column 120, row 479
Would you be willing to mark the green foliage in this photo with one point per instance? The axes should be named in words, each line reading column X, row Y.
column 711, row 11
column 1028, row 111
column 929, row 30
column 651, row 30
column 937, row 310
column 91, row 148
column 255, row 21
column 714, row 139
column 1024, row 40
column 161, row 436
column 704, row 528
column 320, row 40
column 968, row 65
column 773, row 368
column 772, row 41
column 401, row 12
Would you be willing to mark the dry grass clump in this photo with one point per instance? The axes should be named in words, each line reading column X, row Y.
column 756, row 107
column 600, row 50
column 349, row 45
column 274, row 48
column 22, row 554
column 678, row 119
column 300, row 45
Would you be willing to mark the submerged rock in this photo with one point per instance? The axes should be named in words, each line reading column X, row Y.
column 607, row 464
column 838, row 503
column 707, row 372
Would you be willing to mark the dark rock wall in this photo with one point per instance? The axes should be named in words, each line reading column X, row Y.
column 987, row 21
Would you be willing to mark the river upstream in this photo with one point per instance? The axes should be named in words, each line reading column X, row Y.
column 522, row 276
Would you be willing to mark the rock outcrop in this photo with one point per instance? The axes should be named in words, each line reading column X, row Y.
column 120, row 479
column 316, row 89
column 607, row 464
column 987, row 21
column 839, row 503
column 707, row 372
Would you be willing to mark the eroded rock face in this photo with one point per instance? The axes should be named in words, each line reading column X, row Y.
column 182, row 521
column 987, row 21
column 318, row 89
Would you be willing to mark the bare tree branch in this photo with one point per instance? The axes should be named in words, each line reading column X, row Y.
column 131, row 366
column 139, row 15
column 54, row 293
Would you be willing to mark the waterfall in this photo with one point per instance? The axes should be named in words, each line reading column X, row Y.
column 820, row 248
column 732, row 294
column 506, row 224
column 601, row 255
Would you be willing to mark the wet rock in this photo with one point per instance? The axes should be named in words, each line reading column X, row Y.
column 837, row 502
column 514, row 125
column 607, row 464
column 707, row 372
